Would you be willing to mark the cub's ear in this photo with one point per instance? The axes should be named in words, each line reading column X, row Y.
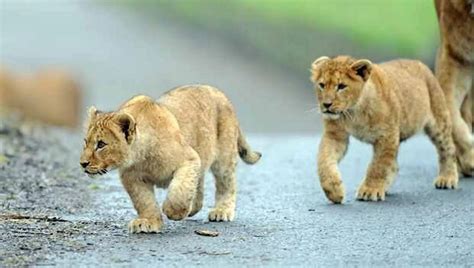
column 318, row 61
column 362, row 68
column 92, row 112
column 127, row 125
column 315, row 65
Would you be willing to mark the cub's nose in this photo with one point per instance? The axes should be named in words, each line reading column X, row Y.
column 84, row 164
column 327, row 104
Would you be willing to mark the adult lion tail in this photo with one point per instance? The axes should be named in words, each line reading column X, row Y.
column 245, row 152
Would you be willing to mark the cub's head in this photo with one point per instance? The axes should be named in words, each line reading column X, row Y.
column 338, row 83
column 107, row 141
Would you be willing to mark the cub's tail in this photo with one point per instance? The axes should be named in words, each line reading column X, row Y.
column 245, row 152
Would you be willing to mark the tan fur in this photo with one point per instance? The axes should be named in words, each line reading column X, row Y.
column 50, row 96
column 381, row 104
column 467, row 109
column 455, row 72
column 170, row 143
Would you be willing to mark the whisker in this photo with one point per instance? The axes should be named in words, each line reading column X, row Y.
column 312, row 110
column 315, row 109
column 344, row 115
column 349, row 115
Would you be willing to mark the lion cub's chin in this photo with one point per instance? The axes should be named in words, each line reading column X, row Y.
column 93, row 176
column 331, row 116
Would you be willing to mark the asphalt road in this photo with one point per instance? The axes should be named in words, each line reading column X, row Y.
column 283, row 217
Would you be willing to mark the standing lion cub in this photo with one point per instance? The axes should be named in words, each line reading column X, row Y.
column 170, row 143
column 381, row 104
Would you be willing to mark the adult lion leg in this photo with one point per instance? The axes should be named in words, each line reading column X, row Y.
column 461, row 128
column 381, row 170
column 198, row 199
column 455, row 81
column 467, row 108
column 332, row 149
column 143, row 198
column 182, row 189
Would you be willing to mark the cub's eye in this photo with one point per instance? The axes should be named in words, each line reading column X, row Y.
column 341, row 86
column 321, row 85
column 101, row 144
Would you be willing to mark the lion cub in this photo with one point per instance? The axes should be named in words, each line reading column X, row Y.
column 381, row 104
column 170, row 143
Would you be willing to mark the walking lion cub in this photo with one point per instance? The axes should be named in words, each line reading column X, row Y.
column 170, row 143
column 381, row 104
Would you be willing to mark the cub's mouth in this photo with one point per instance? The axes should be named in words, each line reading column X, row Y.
column 94, row 173
column 330, row 112
column 333, row 115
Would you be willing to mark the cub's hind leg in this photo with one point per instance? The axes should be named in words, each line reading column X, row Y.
column 439, row 131
column 225, row 165
column 226, row 190
column 223, row 170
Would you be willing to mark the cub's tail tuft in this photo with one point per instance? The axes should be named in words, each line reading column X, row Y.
column 245, row 152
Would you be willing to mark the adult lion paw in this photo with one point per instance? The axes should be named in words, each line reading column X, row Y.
column 371, row 193
column 145, row 226
column 334, row 191
column 466, row 163
column 221, row 214
column 175, row 212
column 446, row 182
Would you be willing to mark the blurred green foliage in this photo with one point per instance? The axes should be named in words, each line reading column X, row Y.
column 407, row 25
column 293, row 33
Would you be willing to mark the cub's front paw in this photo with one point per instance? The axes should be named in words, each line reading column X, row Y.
column 446, row 182
column 175, row 211
column 197, row 205
column 334, row 190
column 371, row 193
column 221, row 214
column 145, row 226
